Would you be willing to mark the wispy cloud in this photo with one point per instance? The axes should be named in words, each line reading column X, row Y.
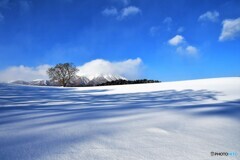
column 176, row 40
column 230, row 29
column 167, row 20
column 154, row 30
column 209, row 16
column 3, row 4
column 130, row 69
column 122, row 14
column 180, row 29
column 129, row 11
column 189, row 50
column 24, row 73
column 112, row 11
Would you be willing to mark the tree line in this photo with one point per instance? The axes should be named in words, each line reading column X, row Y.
column 122, row 82
column 63, row 73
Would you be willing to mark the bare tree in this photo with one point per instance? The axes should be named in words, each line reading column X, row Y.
column 63, row 73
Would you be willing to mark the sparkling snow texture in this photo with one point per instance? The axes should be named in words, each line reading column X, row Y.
column 185, row 120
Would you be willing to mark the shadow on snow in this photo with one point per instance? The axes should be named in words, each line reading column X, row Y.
column 24, row 109
column 24, row 103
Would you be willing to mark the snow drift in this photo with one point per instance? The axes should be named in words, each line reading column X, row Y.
column 184, row 120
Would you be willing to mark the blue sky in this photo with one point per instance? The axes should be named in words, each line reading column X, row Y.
column 174, row 40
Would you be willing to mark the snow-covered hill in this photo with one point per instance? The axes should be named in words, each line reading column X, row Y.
column 19, row 82
column 99, row 79
column 185, row 120
column 78, row 81
column 39, row 82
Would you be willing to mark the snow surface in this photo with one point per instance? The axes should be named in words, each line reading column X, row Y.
column 183, row 120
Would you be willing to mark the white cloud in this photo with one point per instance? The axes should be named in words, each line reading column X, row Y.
column 120, row 15
column 129, row 11
column 176, row 40
column 24, row 73
column 129, row 68
column 189, row 50
column 112, row 11
column 230, row 30
column 183, row 46
column 209, row 16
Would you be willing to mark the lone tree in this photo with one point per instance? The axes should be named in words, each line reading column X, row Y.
column 62, row 72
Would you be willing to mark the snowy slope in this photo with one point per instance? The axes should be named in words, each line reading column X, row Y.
column 183, row 120
column 39, row 82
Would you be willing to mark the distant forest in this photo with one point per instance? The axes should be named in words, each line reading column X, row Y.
column 122, row 82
